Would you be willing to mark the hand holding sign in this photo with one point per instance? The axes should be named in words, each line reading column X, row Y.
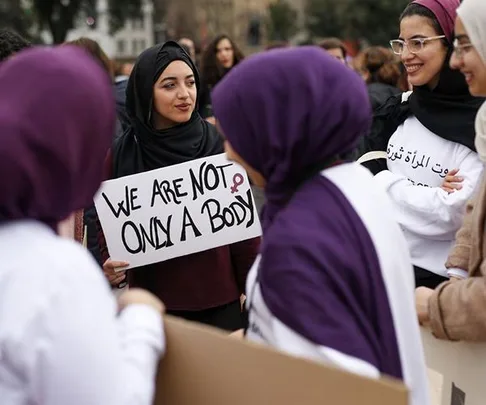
column 114, row 273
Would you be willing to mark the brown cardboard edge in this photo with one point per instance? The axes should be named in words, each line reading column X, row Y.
column 203, row 366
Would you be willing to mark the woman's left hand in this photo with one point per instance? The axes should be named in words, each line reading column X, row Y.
column 422, row 295
column 452, row 182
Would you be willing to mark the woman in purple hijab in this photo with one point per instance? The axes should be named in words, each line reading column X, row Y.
column 333, row 282
column 63, row 338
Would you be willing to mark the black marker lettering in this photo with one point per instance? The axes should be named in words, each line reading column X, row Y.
column 133, row 197
column 221, row 168
column 248, row 204
column 123, row 206
column 166, row 230
column 188, row 221
column 229, row 217
column 211, row 169
column 156, row 191
column 177, row 187
column 133, row 251
column 169, row 193
column 197, row 184
column 240, row 216
column 213, row 217
column 146, row 237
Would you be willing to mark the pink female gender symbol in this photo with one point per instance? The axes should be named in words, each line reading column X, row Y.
column 237, row 181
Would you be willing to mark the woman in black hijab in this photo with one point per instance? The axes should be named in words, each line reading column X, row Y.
column 425, row 135
column 166, row 129
column 182, row 135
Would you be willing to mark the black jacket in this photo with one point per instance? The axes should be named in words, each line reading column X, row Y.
column 379, row 93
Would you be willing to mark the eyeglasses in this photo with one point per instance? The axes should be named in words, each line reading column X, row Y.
column 461, row 49
column 414, row 45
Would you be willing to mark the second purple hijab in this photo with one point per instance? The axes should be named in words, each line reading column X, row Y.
column 57, row 117
column 275, row 110
column 288, row 114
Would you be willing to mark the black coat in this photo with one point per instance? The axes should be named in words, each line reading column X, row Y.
column 379, row 93
column 120, row 98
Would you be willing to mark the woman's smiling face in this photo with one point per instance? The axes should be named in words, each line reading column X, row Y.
column 467, row 59
column 423, row 67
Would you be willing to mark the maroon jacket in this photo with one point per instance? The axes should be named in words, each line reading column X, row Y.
column 194, row 282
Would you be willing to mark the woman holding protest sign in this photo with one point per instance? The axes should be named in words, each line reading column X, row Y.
column 426, row 134
column 334, row 280
column 63, row 337
column 166, row 129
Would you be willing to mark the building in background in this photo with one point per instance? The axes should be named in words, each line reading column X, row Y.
column 202, row 20
column 125, row 44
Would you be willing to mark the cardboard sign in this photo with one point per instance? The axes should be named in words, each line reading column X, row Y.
column 457, row 371
column 205, row 367
column 178, row 210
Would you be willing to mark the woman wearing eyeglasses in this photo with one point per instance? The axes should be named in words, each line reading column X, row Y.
column 427, row 133
column 455, row 311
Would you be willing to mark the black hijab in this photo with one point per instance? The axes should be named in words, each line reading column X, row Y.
column 448, row 110
column 142, row 147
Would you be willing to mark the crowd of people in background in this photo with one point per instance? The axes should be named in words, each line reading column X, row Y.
column 367, row 172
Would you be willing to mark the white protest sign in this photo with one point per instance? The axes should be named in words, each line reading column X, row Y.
column 178, row 210
column 457, row 371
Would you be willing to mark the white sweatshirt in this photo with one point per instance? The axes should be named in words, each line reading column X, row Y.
column 376, row 214
column 418, row 161
column 61, row 341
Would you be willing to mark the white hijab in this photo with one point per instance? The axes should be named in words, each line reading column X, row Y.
column 480, row 139
column 473, row 16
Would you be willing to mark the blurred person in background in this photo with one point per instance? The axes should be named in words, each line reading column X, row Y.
column 11, row 43
column 166, row 129
column 82, row 225
column 219, row 57
column 380, row 70
column 456, row 310
column 96, row 51
column 333, row 282
column 426, row 134
column 64, row 339
column 277, row 45
column 336, row 48
column 122, row 73
column 188, row 45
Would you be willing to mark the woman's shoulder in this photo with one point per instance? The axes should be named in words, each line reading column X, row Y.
column 42, row 274
column 386, row 119
column 214, row 142
column 44, row 264
column 392, row 105
column 120, row 157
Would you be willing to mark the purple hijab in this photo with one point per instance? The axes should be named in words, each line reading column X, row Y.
column 57, row 117
column 287, row 112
